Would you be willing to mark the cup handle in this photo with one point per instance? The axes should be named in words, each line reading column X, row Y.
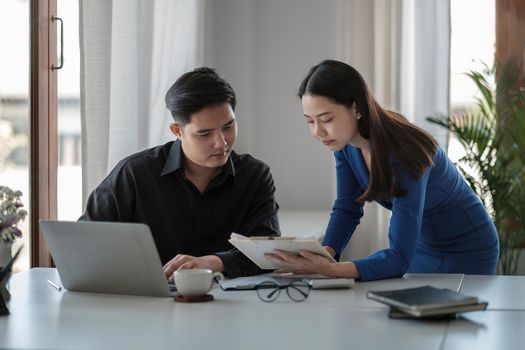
column 217, row 277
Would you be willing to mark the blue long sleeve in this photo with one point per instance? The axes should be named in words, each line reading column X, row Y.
column 346, row 212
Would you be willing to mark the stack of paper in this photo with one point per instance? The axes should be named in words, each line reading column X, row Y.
column 426, row 301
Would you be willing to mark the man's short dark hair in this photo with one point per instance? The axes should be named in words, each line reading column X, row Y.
column 195, row 90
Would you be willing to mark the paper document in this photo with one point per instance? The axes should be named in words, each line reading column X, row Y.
column 255, row 248
column 315, row 281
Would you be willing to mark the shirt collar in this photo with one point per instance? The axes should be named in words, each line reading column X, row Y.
column 229, row 169
column 175, row 160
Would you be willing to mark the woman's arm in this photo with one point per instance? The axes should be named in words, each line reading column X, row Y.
column 346, row 212
column 345, row 217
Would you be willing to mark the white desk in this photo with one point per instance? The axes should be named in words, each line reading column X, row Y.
column 503, row 292
column 502, row 325
column 42, row 317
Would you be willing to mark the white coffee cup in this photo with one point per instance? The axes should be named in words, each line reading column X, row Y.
column 194, row 282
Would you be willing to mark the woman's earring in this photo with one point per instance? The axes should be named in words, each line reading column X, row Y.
column 358, row 117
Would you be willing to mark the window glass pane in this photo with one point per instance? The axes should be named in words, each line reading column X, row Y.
column 69, row 182
column 14, row 108
column 472, row 45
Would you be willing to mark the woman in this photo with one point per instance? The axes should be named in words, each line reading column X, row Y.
column 438, row 224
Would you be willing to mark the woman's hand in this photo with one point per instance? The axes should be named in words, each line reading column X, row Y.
column 330, row 250
column 305, row 262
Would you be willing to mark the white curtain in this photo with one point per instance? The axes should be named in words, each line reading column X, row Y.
column 425, row 63
column 402, row 49
column 131, row 51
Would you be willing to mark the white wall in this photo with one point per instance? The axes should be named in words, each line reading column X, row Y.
column 264, row 48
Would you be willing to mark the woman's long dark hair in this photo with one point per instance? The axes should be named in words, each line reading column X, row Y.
column 389, row 133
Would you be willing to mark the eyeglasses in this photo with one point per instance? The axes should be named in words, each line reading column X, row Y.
column 269, row 291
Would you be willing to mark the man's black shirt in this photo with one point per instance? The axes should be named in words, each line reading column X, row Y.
column 150, row 187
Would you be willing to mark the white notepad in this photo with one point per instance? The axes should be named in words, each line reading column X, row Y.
column 255, row 248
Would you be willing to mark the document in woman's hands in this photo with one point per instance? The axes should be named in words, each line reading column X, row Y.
column 255, row 248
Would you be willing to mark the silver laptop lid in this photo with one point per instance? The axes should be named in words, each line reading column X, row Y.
column 106, row 257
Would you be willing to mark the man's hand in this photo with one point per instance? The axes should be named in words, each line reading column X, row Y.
column 182, row 261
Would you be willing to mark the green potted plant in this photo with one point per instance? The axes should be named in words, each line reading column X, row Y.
column 493, row 136
column 11, row 213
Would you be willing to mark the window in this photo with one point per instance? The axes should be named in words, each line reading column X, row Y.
column 14, row 107
column 69, row 181
column 472, row 45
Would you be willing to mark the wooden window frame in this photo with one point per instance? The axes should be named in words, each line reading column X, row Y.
column 510, row 35
column 43, row 156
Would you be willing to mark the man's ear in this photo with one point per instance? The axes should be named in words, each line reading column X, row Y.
column 176, row 129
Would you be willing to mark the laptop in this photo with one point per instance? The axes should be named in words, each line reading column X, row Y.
column 106, row 257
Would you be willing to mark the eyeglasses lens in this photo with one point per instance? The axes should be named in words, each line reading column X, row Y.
column 268, row 291
column 298, row 290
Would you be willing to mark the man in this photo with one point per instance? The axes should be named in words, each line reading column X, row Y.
column 193, row 192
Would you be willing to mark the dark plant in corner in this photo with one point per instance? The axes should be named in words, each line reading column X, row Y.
column 493, row 136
